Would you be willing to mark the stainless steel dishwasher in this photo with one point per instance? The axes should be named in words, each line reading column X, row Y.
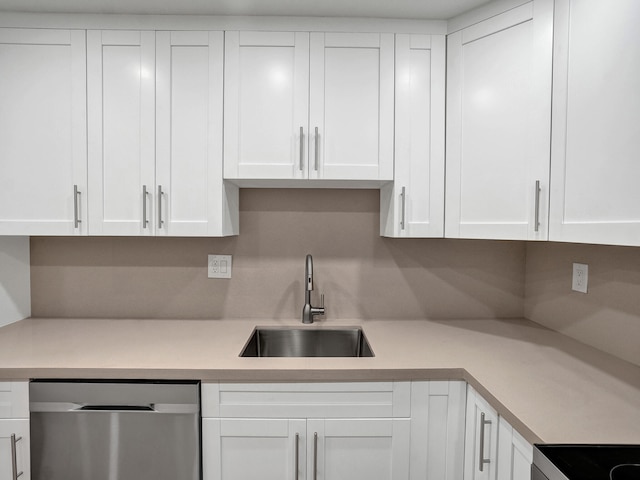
column 108, row 430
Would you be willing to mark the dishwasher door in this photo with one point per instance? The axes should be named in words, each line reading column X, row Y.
column 115, row 430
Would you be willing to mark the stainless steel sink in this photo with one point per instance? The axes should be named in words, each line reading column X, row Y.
column 307, row 342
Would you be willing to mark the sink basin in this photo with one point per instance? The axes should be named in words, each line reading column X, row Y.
column 307, row 342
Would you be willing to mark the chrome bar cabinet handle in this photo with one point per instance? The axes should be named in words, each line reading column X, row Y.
column 76, row 207
column 296, row 464
column 482, row 460
column 537, row 214
column 404, row 204
column 301, row 148
column 316, row 150
column 145, row 220
column 315, row 455
column 14, row 458
column 160, row 194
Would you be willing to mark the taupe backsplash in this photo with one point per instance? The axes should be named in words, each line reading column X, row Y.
column 362, row 275
column 608, row 316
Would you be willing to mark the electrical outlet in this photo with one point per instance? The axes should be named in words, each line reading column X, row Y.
column 580, row 277
column 219, row 266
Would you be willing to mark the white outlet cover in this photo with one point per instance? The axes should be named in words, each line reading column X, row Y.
column 580, row 279
column 219, row 266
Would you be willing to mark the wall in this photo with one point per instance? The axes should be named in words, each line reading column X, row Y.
column 14, row 279
column 361, row 274
column 608, row 316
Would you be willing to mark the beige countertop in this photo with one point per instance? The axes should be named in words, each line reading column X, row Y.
column 549, row 387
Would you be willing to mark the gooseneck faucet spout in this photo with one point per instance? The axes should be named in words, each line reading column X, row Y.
column 309, row 311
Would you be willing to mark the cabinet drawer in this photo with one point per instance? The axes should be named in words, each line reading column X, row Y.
column 307, row 400
column 14, row 400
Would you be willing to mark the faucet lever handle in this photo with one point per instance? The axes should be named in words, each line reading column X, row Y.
column 322, row 300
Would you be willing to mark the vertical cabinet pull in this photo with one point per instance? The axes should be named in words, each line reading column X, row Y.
column 315, row 454
column 76, row 207
column 537, row 214
column 404, row 205
column 14, row 457
column 145, row 220
column 316, row 150
column 482, row 460
column 296, row 464
column 160, row 194
column 301, row 148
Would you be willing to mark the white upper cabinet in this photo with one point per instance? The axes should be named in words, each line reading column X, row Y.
column 413, row 204
column 266, row 101
column 596, row 123
column 189, row 80
column 43, row 160
column 498, row 125
column 155, row 135
column 351, row 106
column 308, row 106
column 121, row 100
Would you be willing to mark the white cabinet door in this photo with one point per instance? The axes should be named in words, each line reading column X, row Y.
column 269, row 449
column 358, row 449
column 14, row 399
column 515, row 454
column 43, row 132
column 266, row 105
column 308, row 106
column 481, row 439
column 351, row 106
column 596, row 123
column 437, row 430
column 14, row 449
column 121, row 126
column 14, row 430
column 190, row 198
column 498, row 125
column 413, row 204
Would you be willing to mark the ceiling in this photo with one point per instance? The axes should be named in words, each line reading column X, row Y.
column 405, row 9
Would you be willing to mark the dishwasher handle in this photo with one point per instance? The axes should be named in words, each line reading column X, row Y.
column 159, row 408
column 118, row 408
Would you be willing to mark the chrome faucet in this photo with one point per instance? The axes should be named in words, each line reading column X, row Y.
column 309, row 311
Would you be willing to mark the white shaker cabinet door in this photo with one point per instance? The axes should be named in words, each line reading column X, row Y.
column 413, row 204
column 481, row 439
column 121, row 127
column 190, row 198
column 437, row 429
column 358, row 449
column 498, row 125
column 14, row 449
column 351, row 106
column 515, row 454
column 595, row 156
column 269, row 449
column 43, row 160
column 266, row 105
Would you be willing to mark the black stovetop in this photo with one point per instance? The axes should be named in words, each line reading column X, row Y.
column 595, row 462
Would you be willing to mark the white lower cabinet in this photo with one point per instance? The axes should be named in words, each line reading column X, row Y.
column 481, row 438
column 14, row 431
column 493, row 449
column 327, row 431
column 266, row 448
column 299, row 448
column 515, row 454
column 437, row 430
